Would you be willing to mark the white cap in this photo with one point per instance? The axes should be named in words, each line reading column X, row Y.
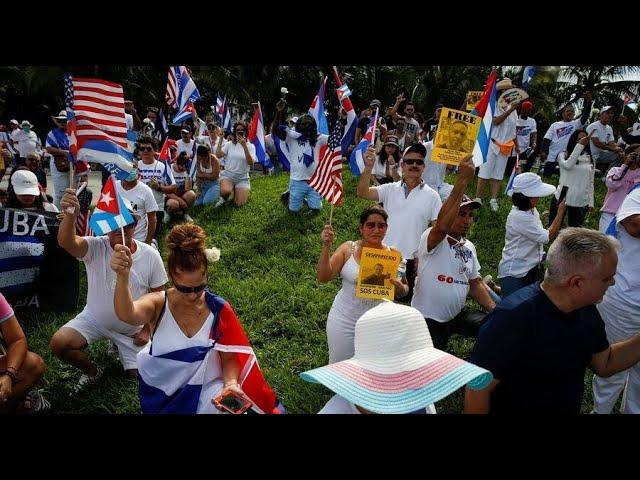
column 604, row 109
column 62, row 115
column 25, row 182
column 530, row 185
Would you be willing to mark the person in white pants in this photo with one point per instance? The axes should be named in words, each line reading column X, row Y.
column 620, row 310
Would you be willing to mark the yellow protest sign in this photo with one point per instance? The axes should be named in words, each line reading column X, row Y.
column 377, row 268
column 455, row 137
column 473, row 97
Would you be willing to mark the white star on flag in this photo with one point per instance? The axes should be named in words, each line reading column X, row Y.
column 106, row 198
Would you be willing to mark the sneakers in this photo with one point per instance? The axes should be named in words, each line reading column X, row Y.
column 494, row 204
column 219, row 202
column 167, row 218
column 187, row 218
column 284, row 198
column 478, row 199
column 85, row 380
column 37, row 402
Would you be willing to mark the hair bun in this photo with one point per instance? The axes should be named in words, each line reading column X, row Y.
column 186, row 238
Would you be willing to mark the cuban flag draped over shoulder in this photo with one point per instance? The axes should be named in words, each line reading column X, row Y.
column 350, row 128
column 283, row 151
column 527, row 75
column 356, row 161
column 187, row 93
column 256, row 136
column 316, row 110
column 185, row 381
column 485, row 109
column 110, row 213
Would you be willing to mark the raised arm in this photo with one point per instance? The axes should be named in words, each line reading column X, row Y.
column 364, row 191
column 277, row 119
column 74, row 245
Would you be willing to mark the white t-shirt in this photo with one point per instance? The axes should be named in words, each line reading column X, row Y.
column 434, row 172
column 25, row 143
column 507, row 129
column 559, row 133
column 409, row 216
column 603, row 132
column 143, row 202
column 235, row 160
column 625, row 294
column 524, row 129
column 128, row 118
column 442, row 284
column 523, row 243
column 147, row 272
column 185, row 147
column 341, row 406
column 296, row 155
column 412, row 128
column 161, row 173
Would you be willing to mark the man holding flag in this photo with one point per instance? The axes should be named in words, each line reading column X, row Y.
column 304, row 145
column 98, row 320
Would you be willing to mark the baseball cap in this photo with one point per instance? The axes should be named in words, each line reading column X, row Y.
column 604, row 109
column 375, row 103
column 466, row 200
column 25, row 182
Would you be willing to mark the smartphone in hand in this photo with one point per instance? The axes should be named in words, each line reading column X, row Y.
column 231, row 402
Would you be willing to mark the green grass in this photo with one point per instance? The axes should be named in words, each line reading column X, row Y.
column 267, row 273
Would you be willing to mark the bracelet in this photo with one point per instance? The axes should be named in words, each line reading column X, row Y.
column 13, row 376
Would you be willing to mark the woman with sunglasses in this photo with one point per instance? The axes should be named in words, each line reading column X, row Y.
column 345, row 261
column 239, row 154
column 194, row 326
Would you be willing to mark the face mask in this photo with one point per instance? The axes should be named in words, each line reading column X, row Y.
column 133, row 174
column 26, row 129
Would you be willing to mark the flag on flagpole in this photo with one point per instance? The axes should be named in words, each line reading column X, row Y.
column 184, row 93
column 352, row 121
column 256, row 136
column 356, row 161
column 527, row 75
column 98, row 126
column 514, row 173
column 189, row 111
column 82, row 220
column 316, row 110
column 327, row 178
column 80, row 166
column 110, row 213
column 485, row 109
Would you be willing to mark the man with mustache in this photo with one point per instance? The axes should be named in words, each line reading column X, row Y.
column 410, row 203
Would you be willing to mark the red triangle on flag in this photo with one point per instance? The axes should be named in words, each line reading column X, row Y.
column 108, row 201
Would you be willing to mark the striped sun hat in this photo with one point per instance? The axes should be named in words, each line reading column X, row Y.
column 395, row 368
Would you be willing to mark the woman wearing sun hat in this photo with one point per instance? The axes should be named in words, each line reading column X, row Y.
column 395, row 368
column 525, row 236
column 385, row 169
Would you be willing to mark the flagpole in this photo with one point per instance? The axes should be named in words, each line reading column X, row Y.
column 70, row 174
column 123, row 240
column 331, row 214
column 336, row 77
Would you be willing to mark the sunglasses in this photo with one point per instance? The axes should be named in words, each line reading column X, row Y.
column 240, row 132
column 380, row 225
column 146, row 149
column 183, row 289
column 412, row 162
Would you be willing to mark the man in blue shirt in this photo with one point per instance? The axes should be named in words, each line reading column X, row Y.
column 539, row 340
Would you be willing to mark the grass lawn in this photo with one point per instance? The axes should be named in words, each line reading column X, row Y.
column 267, row 273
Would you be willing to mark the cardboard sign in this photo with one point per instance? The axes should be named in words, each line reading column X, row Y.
column 377, row 268
column 455, row 137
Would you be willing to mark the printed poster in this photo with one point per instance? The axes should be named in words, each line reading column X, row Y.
column 377, row 268
column 455, row 137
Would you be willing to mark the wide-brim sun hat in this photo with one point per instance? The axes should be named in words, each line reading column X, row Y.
column 504, row 84
column 530, row 185
column 395, row 368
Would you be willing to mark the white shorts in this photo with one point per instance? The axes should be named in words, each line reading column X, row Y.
column 495, row 165
column 93, row 332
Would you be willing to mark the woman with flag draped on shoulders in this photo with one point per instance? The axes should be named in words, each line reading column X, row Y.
column 198, row 347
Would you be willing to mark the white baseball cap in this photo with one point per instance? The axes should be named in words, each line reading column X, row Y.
column 25, row 182
column 530, row 185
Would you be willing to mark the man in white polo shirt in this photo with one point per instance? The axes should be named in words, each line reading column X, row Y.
column 410, row 203
column 448, row 268
column 620, row 310
column 604, row 149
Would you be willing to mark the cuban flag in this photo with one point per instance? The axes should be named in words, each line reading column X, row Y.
column 189, row 111
column 110, row 213
column 220, row 108
column 316, row 110
column 256, row 136
column 187, row 93
column 283, row 152
column 527, row 75
column 117, row 160
column 485, row 109
column 352, row 121
column 357, row 156
column 185, row 381
column 223, row 113
column 514, row 173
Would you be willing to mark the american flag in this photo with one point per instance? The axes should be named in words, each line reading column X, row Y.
column 172, row 87
column 82, row 166
column 327, row 179
column 82, row 221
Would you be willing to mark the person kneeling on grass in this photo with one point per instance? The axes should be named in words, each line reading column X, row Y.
column 207, row 171
column 239, row 155
column 178, row 203
column 98, row 319
column 395, row 368
column 20, row 369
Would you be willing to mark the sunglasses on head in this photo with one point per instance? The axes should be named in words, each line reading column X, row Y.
column 375, row 224
column 412, row 162
column 183, row 289
column 146, row 149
